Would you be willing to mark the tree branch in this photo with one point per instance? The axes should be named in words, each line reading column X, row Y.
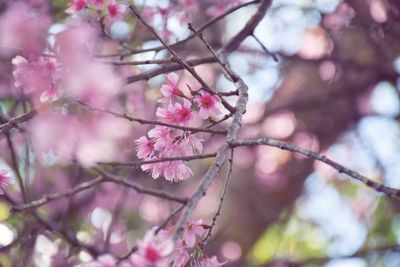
column 391, row 192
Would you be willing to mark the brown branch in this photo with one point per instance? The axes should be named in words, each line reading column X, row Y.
column 51, row 197
column 139, row 188
column 142, row 121
column 178, row 59
column 249, row 28
column 168, row 68
column 142, row 62
column 104, row 177
column 182, row 42
column 143, row 162
column 11, row 123
column 391, row 192
column 233, row 129
column 14, row 163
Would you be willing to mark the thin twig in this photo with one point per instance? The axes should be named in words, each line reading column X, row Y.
column 266, row 50
column 142, row 121
column 139, row 188
column 144, row 162
column 182, row 42
column 180, row 60
column 391, row 192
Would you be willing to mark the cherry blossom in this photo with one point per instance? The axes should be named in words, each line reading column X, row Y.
column 192, row 144
column 177, row 113
column 183, row 113
column 153, row 250
column 115, row 10
column 181, row 256
column 145, row 147
column 209, row 105
column 192, row 230
column 175, row 171
column 76, row 6
column 162, row 136
column 171, row 88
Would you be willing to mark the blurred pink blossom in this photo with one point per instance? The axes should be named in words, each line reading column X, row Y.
column 89, row 140
column 23, row 30
column 75, row 6
column 115, row 10
column 153, row 250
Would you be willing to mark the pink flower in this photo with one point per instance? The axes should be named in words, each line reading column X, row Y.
column 173, row 171
column 177, row 113
column 166, row 115
column 192, row 230
column 155, row 169
column 162, row 136
column 171, row 88
column 211, row 262
column 75, row 6
column 114, row 10
column 193, row 144
column 145, row 147
column 183, row 113
column 209, row 105
column 181, row 256
column 153, row 250
column 5, row 180
column 176, row 171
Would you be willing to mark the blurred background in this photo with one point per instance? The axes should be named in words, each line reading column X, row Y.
column 335, row 88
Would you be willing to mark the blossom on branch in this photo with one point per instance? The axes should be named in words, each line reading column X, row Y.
column 209, row 104
column 171, row 88
column 192, row 230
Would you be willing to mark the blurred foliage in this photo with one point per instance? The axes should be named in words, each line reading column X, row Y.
column 295, row 239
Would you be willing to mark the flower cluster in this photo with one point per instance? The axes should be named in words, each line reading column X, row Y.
column 167, row 142
column 113, row 9
column 156, row 249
